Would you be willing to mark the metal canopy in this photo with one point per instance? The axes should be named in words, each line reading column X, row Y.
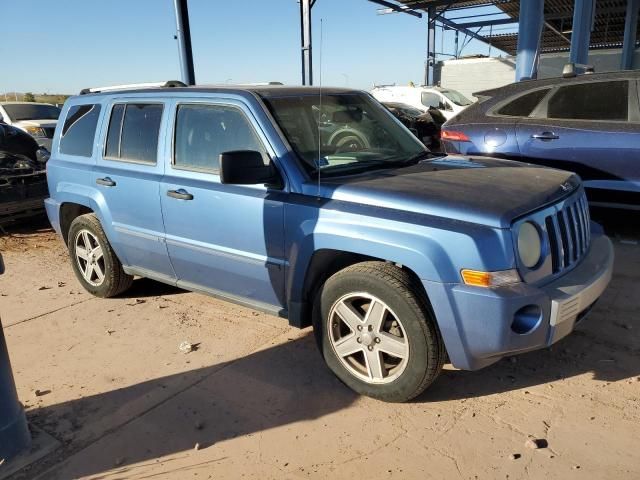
column 608, row 22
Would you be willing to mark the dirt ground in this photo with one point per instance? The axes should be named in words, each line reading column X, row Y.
column 107, row 380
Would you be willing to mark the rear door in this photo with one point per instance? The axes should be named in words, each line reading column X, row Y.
column 591, row 128
column 128, row 176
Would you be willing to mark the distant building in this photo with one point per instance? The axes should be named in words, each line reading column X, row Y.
column 474, row 74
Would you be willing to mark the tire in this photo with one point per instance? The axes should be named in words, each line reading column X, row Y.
column 86, row 229
column 348, row 142
column 407, row 328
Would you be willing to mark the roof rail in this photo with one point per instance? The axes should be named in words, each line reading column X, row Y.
column 167, row 84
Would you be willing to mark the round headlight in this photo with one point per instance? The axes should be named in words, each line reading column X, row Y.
column 529, row 245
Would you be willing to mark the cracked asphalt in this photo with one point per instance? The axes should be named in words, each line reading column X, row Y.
column 256, row 401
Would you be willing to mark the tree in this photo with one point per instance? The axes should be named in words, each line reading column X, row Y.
column 28, row 97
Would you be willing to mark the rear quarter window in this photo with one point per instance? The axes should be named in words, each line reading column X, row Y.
column 79, row 130
column 523, row 105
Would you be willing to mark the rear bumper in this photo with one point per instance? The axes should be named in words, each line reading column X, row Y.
column 53, row 212
column 480, row 326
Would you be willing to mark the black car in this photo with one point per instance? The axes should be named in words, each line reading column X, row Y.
column 23, row 182
column 588, row 124
column 424, row 125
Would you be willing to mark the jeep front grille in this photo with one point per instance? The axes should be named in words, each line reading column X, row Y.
column 569, row 233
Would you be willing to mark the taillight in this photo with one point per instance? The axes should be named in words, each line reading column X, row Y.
column 454, row 136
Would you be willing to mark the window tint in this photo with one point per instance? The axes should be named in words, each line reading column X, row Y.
column 133, row 132
column 591, row 101
column 524, row 105
column 203, row 132
column 431, row 100
column 79, row 130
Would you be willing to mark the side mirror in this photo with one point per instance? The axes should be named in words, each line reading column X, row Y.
column 247, row 167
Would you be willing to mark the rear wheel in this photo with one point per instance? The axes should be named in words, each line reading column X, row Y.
column 377, row 333
column 94, row 262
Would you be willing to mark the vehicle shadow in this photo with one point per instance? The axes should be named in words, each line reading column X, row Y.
column 146, row 288
column 571, row 357
column 278, row 386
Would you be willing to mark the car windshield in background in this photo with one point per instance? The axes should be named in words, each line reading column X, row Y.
column 32, row 111
column 457, row 98
column 355, row 132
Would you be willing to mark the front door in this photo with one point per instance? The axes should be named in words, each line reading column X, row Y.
column 223, row 239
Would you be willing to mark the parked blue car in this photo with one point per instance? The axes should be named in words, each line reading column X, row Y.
column 587, row 124
column 402, row 260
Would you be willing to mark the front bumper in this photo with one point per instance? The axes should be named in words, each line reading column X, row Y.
column 480, row 326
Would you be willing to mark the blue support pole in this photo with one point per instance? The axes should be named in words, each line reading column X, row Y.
column 583, row 11
column 630, row 32
column 14, row 432
column 183, row 35
column 529, row 32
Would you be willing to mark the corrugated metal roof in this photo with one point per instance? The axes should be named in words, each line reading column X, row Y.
column 608, row 22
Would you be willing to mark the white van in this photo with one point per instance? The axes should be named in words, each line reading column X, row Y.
column 449, row 102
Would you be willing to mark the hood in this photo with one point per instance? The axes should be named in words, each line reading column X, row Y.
column 480, row 190
column 36, row 123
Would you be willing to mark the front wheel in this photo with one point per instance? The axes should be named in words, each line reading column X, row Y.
column 376, row 332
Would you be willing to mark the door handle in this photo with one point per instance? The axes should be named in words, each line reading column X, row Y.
column 180, row 194
column 106, row 181
column 545, row 136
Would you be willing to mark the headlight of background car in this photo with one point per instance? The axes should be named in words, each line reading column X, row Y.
column 35, row 131
column 529, row 245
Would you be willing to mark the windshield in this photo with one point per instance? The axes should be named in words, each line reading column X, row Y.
column 457, row 98
column 355, row 132
column 31, row 111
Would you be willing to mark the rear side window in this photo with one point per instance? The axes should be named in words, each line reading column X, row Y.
column 203, row 132
column 591, row 101
column 79, row 130
column 133, row 132
column 523, row 105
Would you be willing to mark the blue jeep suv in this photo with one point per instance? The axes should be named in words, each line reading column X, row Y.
column 400, row 259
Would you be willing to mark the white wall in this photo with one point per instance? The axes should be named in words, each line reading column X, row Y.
column 469, row 75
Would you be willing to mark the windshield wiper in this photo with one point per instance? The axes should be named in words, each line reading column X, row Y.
column 413, row 159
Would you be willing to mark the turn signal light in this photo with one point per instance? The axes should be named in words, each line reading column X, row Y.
column 454, row 136
column 477, row 278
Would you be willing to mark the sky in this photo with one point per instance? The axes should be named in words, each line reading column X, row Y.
column 67, row 45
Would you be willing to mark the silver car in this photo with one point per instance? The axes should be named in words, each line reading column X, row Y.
column 37, row 119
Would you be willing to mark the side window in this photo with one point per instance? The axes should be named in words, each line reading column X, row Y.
column 133, row 132
column 79, row 130
column 431, row 100
column 591, row 101
column 203, row 132
column 523, row 105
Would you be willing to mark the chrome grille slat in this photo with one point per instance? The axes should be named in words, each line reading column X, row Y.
column 583, row 225
column 577, row 230
column 568, row 235
column 555, row 243
column 587, row 216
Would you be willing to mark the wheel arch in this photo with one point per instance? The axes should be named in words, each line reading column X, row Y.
column 69, row 211
column 322, row 264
